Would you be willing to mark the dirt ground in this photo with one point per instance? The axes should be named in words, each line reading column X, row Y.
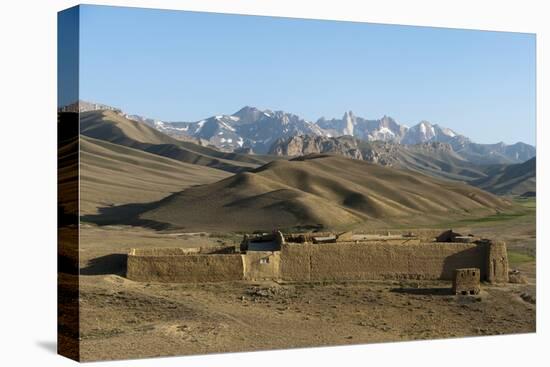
column 125, row 319
column 122, row 319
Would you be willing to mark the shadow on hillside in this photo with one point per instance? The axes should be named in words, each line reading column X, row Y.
column 424, row 291
column 108, row 264
column 128, row 214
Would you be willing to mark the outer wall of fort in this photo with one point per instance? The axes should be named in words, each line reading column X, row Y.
column 320, row 262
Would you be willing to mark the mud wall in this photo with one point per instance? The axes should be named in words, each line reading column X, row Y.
column 355, row 261
column 497, row 262
column 261, row 265
column 322, row 262
column 296, row 261
column 185, row 268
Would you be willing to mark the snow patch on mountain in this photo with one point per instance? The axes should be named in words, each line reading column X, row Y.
column 255, row 130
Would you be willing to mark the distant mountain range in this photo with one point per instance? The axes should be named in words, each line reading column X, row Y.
column 251, row 130
column 256, row 131
column 246, row 128
column 435, row 159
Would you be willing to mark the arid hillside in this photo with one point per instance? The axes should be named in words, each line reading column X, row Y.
column 115, row 128
column 113, row 174
column 432, row 158
column 320, row 190
column 514, row 179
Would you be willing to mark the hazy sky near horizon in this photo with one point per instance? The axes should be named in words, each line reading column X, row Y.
column 186, row 66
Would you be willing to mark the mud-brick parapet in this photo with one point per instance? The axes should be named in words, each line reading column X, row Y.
column 497, row 261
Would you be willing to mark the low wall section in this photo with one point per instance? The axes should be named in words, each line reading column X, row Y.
column 179, row 268
column 353, row 261
column 261, row 265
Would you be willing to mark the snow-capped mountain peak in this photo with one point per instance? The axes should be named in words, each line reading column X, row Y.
column 349, row 121
column 254, row 130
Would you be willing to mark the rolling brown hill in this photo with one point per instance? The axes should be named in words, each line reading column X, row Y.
column 113, row 174
column 514, row 179
column 319, row 190
column 115, row 128
column 434, row 158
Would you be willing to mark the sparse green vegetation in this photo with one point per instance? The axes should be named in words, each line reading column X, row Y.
column 525, row 211
column 516, row 258
column 492, row 218
column 530, row 203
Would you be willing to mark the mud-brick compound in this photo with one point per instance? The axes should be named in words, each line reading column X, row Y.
column 317, row 257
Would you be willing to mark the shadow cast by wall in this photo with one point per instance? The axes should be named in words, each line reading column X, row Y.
column 474, row 257
column 108, row 264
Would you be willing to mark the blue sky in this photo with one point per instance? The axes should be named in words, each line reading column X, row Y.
column 185, row 66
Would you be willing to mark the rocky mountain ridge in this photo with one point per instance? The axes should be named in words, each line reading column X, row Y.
column 258, row 131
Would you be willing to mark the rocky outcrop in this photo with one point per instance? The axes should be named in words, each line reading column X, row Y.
column 305, row 144
column 383, row 153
